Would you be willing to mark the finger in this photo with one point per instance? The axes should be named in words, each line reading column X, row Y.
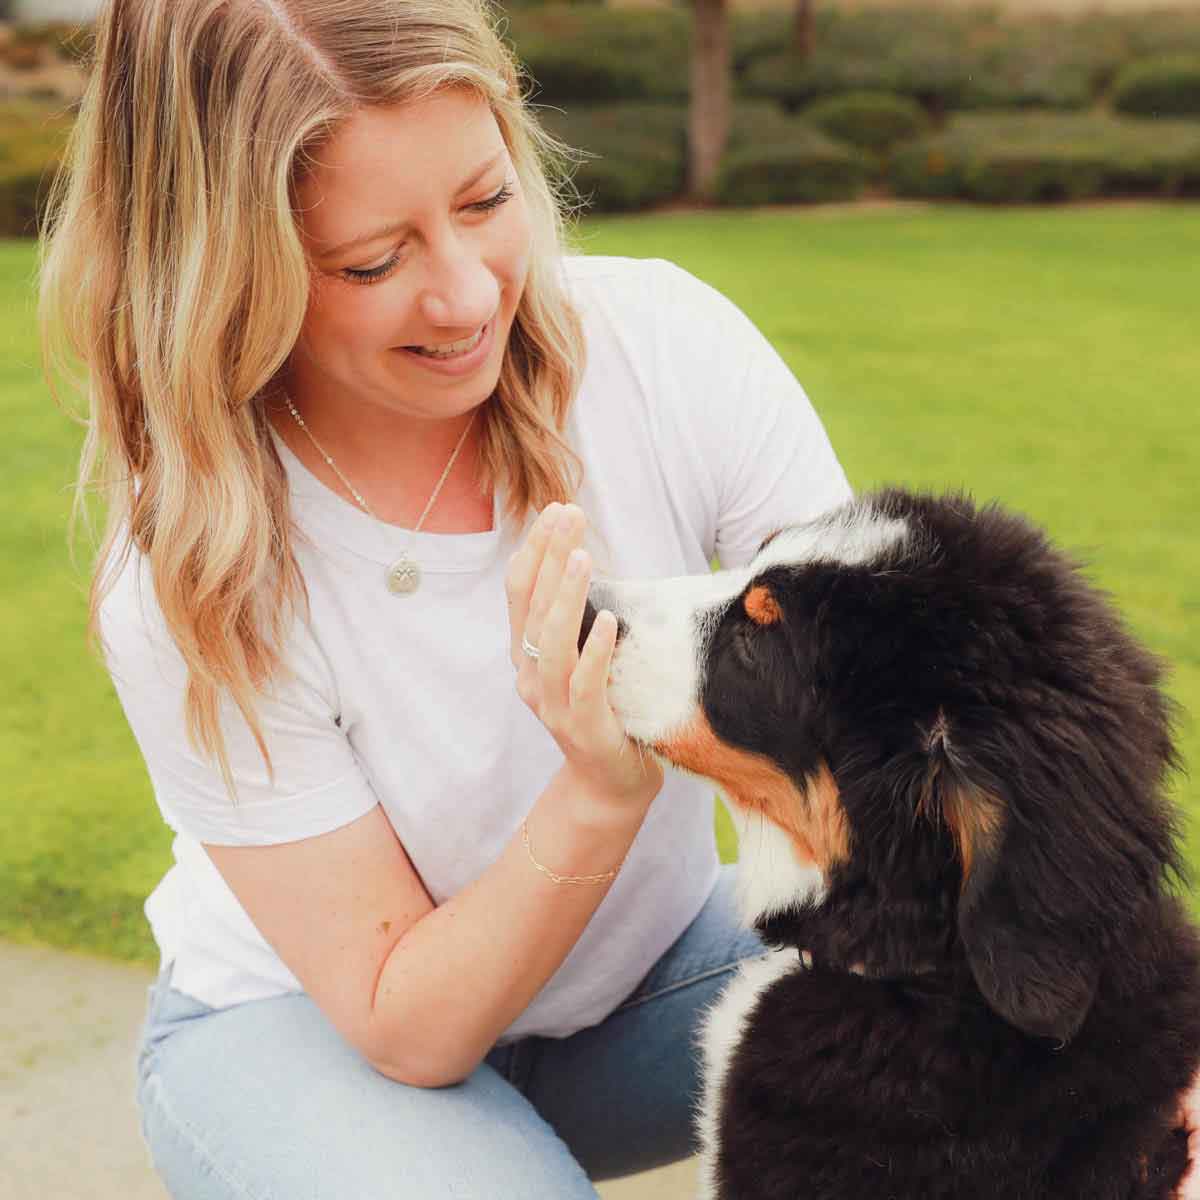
column 522, row 574
column 559, row 639
column 568, row 533
column 589, row 683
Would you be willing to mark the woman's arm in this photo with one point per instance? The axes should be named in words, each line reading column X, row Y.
column 424, row 991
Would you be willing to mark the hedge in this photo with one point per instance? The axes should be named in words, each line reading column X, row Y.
column 636, row 152
column 1165, row 86
column 642, row 148
column 588, row 53
column 1054, row 62
column 1006, row 158
column 776, row 159
column 917, row 52
column 953, row 60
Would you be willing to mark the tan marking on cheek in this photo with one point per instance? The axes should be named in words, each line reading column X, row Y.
column 761, row 607
column 974, row 817
column 812, row 818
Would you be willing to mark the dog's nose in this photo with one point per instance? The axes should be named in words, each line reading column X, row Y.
column 599, row 597
column 589, row 619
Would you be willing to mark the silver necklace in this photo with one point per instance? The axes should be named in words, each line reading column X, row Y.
column 404, row 575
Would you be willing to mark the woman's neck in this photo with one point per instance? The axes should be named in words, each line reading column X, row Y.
column 393, row 460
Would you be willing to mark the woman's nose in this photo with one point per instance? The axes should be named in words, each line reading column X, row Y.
column 460, row 291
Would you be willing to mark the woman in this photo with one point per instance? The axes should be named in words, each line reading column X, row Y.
column 427, row 932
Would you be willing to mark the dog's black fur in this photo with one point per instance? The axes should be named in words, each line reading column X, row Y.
column 1024, row 1029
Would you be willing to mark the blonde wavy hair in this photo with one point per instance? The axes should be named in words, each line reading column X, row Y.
column 173, row 274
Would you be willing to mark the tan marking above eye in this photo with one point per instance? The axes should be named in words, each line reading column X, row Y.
column 762, row 607
column 813, row 817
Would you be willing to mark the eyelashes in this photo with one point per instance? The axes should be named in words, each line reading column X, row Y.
column 374, row 274
column 494, row 201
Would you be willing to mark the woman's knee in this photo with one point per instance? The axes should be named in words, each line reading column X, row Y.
column 266, row 1100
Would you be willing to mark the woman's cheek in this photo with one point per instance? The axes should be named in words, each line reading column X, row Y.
column 347, row 314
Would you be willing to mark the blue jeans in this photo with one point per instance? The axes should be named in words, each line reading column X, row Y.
column 266, row 1100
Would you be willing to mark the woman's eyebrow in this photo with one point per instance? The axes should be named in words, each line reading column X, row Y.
column 400, row 226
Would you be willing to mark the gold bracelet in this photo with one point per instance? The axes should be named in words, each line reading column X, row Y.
column 607, row 877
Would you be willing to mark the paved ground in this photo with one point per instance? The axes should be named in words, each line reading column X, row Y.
column 68, row 1125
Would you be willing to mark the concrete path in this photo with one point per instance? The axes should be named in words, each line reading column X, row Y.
column 68, row 1124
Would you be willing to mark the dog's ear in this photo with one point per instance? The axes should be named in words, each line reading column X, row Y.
column 1022, row 958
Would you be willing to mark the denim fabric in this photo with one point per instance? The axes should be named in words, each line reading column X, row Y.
column 265, row 1100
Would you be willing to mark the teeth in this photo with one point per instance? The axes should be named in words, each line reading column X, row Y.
column 450, row 349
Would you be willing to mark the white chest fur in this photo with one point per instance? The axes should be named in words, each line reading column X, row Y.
column 719, row 1037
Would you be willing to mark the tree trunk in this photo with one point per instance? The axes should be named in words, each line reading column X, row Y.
column 804, row 33
column 709, row 111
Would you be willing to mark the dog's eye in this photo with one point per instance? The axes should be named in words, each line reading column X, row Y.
column 744, row 648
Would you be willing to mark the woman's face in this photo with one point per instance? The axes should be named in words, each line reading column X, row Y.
column 414, row 219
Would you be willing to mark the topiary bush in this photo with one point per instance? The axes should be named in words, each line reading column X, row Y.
column 1049, row 62
column 758, row 33
column 873, row 121
column 918, row 52
column 776, row 159
column 1168, row 86
column 591, row 53
column 636, row 152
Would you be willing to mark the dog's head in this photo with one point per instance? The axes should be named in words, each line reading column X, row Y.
column 924, row 699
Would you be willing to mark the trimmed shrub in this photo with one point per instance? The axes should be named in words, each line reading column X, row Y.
column 1168, row 31
column 916, row 52
column 1051, row 62
column 590, row 53
column 755, row 121
column 760, row 33
column 1009, row 158
column 1164, row 86
column 873, row 121
column 949, row 60
column 774, row 159
column 637, row 153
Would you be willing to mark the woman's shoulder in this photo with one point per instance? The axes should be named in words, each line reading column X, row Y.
column 134, row 639
column 593, row 274
column 654, row 299
column 126, row 582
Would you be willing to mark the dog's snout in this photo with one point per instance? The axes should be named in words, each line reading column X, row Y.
column 589, row 619
column 599, row 598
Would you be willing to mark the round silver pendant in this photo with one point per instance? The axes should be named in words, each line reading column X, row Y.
column 403, row 576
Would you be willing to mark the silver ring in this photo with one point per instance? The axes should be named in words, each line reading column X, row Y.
column 530, row 648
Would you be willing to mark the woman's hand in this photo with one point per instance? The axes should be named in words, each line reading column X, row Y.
column 547, row 587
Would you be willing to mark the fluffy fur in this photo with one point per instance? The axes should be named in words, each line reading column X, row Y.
column 951, row 756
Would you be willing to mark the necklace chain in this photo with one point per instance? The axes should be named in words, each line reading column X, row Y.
column 351, row 488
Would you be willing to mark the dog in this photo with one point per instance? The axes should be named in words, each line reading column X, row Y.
column 946, row 758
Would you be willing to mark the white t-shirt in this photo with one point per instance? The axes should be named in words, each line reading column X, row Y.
column 695, row 439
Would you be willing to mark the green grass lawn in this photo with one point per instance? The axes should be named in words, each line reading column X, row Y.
column 1047, row 358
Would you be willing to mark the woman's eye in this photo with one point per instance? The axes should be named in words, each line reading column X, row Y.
column 371, row 274
column 374, row 274
column 505, row 193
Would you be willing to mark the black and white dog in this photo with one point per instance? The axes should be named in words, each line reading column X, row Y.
column 946, row 758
